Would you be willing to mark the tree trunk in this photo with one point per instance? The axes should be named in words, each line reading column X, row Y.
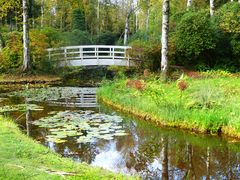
column 165, row 158
column 147, row 18
column 42, row 13
column 31, row 12
column 211, row 7
column 2, row 42
column 165, row 32
column 189, row 4
column 126, row 31
column 26, row 51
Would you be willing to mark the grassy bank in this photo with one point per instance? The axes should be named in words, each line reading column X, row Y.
column 22, row 158
column 31, row 79
column 208, row 105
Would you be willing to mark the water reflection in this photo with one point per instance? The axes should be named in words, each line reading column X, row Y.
column 159, row 154
column 76, row 97
column 151, row 152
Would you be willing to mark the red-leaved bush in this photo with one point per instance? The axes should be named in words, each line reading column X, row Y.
column 136, row 84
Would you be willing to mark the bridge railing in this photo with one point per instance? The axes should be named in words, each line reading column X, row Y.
column 91, row 55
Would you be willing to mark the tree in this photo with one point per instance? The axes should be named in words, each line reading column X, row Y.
column 211, row 7
column 26, row 50
column 78, row 20
column 131, row 9
column 126, row 30
column 189, row 4
column 165, row 32
column 2, row 42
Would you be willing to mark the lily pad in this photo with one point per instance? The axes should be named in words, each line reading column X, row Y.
column 72, row 124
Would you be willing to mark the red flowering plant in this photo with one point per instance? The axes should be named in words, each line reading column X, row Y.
column 182, row 85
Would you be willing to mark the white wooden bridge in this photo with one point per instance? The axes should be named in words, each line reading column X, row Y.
column 92, row 55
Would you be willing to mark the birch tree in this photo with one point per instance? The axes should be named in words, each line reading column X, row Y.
column 147, row 18
column 26, row 50
column 211, row 7
column 126, row 29
column 189, row 4
column 164, row 152
column 42, row 13
column 165, row 32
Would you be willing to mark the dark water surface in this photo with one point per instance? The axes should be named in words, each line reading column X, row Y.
column 146, row 150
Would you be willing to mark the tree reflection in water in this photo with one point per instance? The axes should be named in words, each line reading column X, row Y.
column 152, row 152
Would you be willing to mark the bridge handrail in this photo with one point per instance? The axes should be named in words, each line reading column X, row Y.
column 95, row 54
column 89, row 46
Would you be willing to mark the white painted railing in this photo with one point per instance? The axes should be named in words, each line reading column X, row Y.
column 91, row 55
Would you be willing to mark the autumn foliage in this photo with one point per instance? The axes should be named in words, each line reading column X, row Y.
column 136, row 84
column 182, row 85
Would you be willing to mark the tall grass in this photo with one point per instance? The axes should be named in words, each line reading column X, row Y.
column 206, row 105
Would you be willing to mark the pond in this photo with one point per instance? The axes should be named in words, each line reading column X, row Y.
column 71, row 122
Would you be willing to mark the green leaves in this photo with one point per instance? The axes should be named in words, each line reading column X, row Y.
column 195, row 34
column 85, row 126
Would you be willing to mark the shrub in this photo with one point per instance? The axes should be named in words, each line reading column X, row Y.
column 38, row 46
column 148, row 53
column 106, row 38
column 195, row 37
column 228, row 17
column 12, row 55
column 54, row 37
column 77, row 37
column 78, row 20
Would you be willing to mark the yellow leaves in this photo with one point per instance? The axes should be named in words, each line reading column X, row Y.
column 38, row 43
column 230, row 22
column 8, row 5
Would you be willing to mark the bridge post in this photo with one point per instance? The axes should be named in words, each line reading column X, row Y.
column 81, row 54
column 49, row 55
column 113, row 55
column 97, row 54
column 65, row 55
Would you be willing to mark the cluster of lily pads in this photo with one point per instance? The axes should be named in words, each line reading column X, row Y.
column 84, row 126
column 20, row 107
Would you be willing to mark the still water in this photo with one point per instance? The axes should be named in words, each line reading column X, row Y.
column 72, row 123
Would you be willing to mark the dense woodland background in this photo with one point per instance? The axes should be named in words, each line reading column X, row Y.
column 196, row 39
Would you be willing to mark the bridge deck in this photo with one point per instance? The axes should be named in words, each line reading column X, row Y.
column 91, row 55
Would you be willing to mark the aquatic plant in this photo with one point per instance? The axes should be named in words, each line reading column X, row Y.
column 85, row 126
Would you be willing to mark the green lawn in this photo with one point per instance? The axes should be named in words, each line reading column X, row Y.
column 209, row 104
column 22, row 158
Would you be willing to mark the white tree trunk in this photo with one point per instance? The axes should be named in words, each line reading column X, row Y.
column 126, row 31
column 165, row 31
column 26, row 51
column 211, row 7
column 165, row 175
column 147, row 17
column 42, row 13
column 189, row 4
